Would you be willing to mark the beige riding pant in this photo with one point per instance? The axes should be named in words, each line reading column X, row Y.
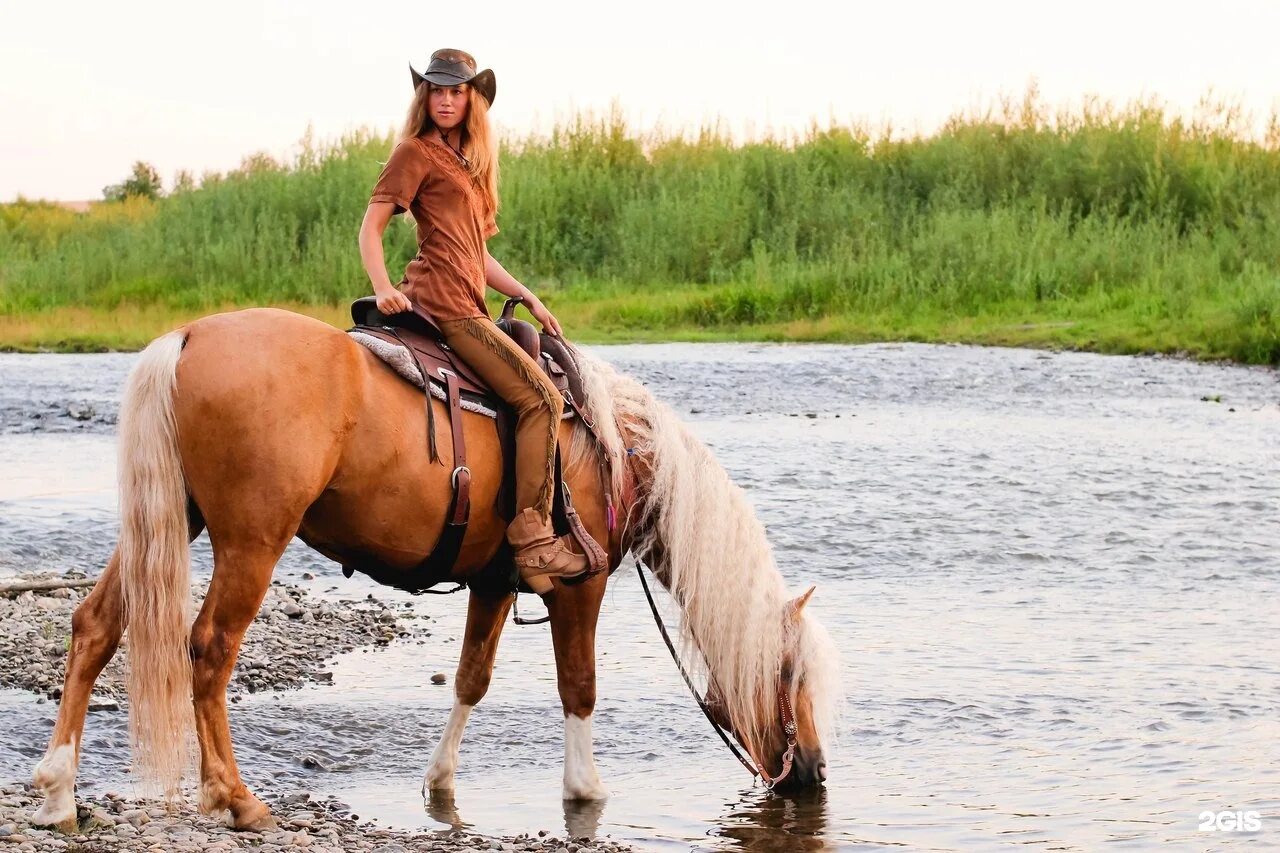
column 518, row 380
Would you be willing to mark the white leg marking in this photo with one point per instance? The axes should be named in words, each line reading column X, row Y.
column 56, row 776
column 581, row 779
column 445, row 758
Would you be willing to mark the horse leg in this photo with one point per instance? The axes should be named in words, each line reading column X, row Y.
column 241, row 575
column 574, row 611
column 485, row 618
column 96, row 627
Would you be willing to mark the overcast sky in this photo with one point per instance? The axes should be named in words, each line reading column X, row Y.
column 87, row 88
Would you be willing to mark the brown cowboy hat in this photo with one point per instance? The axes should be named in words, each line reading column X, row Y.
column 450, row 67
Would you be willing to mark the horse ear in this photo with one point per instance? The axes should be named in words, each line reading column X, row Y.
column 795, row 605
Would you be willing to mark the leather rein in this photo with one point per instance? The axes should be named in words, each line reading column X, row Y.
column 784, row 706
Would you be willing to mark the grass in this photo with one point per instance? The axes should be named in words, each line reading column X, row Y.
column 1207, row 331
column 1118, row 229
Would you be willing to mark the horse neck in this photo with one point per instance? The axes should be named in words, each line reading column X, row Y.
column 717, row 565
column 706, row 544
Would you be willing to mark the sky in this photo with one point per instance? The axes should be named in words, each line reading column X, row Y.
column 87, row 88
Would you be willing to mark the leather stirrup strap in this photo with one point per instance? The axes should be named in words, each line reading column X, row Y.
column 432, row 452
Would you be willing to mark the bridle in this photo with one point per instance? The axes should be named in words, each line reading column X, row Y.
column 785, row 710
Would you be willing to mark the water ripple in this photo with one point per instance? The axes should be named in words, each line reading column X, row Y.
column 1052, row 578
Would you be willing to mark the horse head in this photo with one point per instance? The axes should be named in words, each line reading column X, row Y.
column 788, row 748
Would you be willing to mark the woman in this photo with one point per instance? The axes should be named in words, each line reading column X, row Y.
column 444, row 171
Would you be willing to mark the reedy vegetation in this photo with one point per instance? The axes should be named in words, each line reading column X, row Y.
column 1117, row 228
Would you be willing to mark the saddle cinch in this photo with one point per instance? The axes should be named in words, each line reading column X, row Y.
column 413, row 346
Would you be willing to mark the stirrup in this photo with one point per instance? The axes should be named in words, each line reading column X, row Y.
column 515, row 612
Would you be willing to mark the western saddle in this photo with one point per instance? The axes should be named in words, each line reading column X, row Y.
column 444, row 375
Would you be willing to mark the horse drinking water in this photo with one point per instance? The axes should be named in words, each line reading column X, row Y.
column 261, row 425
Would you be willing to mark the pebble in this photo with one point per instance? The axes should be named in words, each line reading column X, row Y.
column 285, row 647
column 329, row 827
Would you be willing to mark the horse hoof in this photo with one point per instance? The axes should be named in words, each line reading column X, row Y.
column 255, row 819
column 585, row 793
column 266, row 823
column 58, row 816
column 437, row 780
column 58, row 811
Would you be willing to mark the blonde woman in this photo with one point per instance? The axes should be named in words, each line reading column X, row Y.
column 444, row 171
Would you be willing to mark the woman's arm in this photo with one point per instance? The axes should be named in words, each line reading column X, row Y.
column 376, row 217
column 502, row 281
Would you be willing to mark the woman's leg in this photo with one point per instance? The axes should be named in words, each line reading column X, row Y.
column 518, row 380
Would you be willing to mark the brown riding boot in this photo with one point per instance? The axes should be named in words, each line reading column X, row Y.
column 540, row 554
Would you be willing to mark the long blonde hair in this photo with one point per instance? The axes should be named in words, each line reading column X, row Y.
column 479, row 144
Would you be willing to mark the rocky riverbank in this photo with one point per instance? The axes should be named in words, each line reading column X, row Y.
column 115, row 823
column 287, row 645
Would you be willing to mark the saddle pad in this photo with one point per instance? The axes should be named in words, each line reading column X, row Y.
column 398, row 359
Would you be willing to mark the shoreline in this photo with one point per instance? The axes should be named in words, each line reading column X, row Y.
column 113, row 822
column 1078, row 327
column 290, row 643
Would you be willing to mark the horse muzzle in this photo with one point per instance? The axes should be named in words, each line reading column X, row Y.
column 808, row 770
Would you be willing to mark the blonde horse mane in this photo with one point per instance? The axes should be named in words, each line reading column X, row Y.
column 716, row 562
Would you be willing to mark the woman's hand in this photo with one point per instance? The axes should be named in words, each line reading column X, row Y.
column 393, row 301
column 550, row 324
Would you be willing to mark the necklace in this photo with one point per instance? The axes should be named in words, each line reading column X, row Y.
column 457, row 152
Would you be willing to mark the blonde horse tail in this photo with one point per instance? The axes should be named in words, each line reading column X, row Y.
column 155, row 567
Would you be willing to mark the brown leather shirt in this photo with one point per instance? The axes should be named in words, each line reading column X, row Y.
column 447, row 276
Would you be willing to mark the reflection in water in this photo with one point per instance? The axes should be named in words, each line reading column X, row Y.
column 582, row 817
column 769, row 822
column 443, row 808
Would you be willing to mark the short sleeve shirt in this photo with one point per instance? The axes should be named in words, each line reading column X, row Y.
column 453, row 222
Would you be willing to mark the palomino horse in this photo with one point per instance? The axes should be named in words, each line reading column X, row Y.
column 262, row 425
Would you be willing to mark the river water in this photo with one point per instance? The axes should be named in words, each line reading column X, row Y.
column 1053, row 579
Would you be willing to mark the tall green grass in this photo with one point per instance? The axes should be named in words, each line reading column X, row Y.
column 1125, row 214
